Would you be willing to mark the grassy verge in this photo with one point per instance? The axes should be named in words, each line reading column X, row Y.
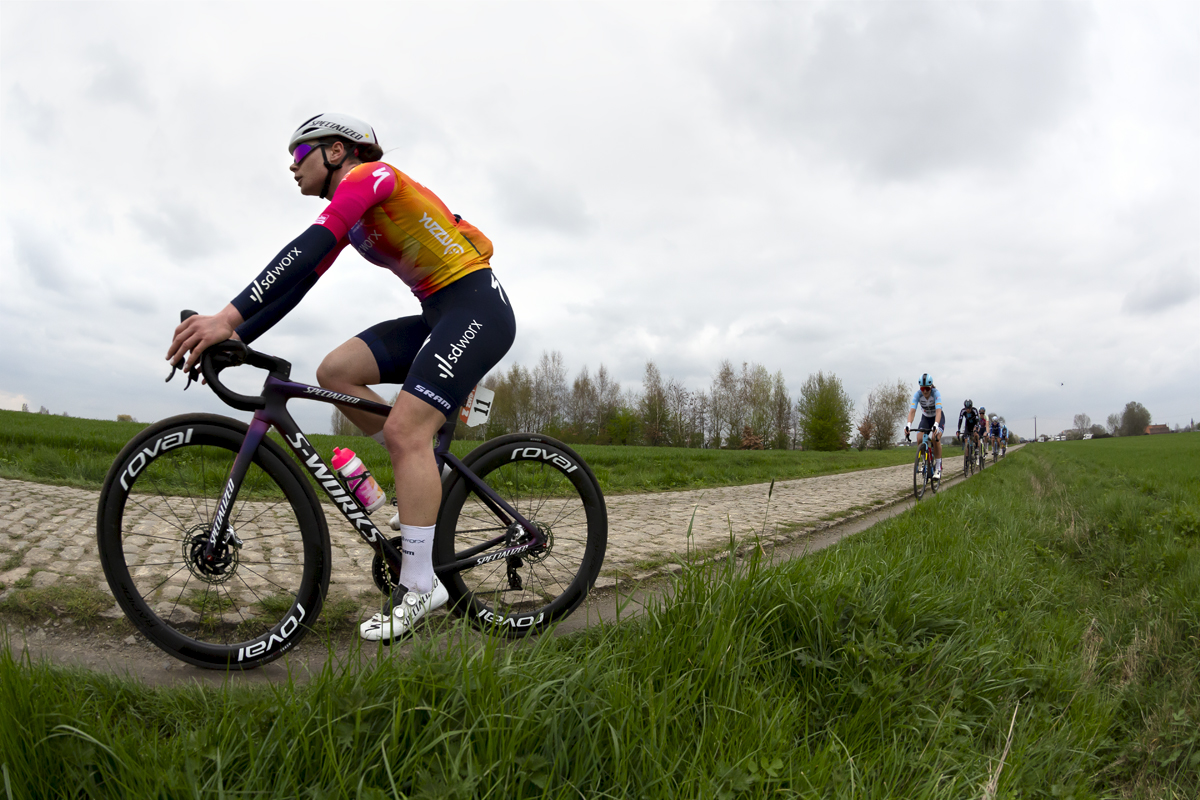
column 1030, row 633
column 78, row 452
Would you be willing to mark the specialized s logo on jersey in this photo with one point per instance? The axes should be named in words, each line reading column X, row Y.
column 382, row 174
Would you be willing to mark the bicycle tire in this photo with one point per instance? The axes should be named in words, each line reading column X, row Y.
column 968, row 460
column 548, row 483
column 154, row 515
column 920, row 475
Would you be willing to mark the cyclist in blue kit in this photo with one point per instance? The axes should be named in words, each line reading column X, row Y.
column 933, row 419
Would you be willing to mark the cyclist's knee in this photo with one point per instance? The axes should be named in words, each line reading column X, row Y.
column 411, row 425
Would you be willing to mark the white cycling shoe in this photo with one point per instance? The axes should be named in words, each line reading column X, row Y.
column 937, row 476
column 387, row 628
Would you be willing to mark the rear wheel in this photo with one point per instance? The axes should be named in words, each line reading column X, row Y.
column 550, row 485
column 264, row 586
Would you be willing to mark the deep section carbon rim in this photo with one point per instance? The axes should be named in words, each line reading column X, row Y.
column 547, row 482
column 265, row 585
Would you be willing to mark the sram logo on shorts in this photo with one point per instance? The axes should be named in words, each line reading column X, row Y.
column 263, row 645
column 541, row 454
column 150, row 452
column 527, row 621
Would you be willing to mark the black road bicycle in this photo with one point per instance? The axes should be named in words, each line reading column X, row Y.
column 923, row 468
column 970, row 456
column 216, row 547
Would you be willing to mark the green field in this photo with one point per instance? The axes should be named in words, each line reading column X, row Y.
column 1032, row 632
column 78, row 452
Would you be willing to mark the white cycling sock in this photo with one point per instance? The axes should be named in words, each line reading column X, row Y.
column 939, row 465
column 416, row 568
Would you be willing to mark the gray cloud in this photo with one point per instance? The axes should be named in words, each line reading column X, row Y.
column 1166, row 287
column 38, row 119
column 42, row 259
column 527, row 196
column 181, row 229
column 117, row 79
column 904, row 89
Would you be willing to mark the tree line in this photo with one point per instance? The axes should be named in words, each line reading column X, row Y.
column 742, row 408
column 1132, row 421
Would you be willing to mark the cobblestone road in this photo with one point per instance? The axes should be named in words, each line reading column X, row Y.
column 47, row 533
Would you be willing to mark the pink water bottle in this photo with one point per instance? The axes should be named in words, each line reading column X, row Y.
column 358, row 478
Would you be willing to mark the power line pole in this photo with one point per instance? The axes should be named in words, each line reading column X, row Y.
column 1035, row 428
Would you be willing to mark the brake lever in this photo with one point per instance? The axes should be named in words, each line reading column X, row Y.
column 193, row 373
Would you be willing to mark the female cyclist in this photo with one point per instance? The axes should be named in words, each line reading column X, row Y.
column 933, row 419
column 465, row 327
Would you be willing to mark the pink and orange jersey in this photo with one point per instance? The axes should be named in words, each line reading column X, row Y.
column 397, row 223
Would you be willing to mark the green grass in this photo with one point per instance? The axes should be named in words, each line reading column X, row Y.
column 82, row 604
column 78, row 452
column 1036, row 625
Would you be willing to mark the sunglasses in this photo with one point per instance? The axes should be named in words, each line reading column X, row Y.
column 926, row 388
column 302, row 152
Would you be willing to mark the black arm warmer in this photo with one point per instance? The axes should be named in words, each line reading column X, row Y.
column 295, row 262
column 276, row 310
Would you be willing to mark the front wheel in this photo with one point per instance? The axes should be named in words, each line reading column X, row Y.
column 550, row 485
column 968, row 460
column 920, row 473
column 265, row 584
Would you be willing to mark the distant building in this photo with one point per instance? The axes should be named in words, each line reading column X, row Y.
column 1153, row 429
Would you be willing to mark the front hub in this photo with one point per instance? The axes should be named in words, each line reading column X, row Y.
column 223, row 564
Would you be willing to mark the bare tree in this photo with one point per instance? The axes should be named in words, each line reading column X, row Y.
column 581, row 406
column 679, row 413
column 608, row 402
column 340, row 424
column 1113, row 423
column 886, row 406
column 549, row 391
column 725, row 406
column 1083, row 424
column 781, row 412
column 756, row 388
column 653, row 406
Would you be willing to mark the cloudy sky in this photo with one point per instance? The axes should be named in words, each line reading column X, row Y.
column 1003, row 194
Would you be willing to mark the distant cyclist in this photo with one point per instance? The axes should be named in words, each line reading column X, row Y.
column 983, row 429
column 994, row 432
column 970, row 416
column 933, row 420
column 1003, row 437
column 465, row 324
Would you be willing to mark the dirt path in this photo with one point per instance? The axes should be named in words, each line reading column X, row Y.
column 47, row 539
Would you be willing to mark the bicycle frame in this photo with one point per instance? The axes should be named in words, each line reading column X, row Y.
column 270, row 410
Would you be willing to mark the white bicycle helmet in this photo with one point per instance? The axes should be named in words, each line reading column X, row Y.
column 323, row 125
